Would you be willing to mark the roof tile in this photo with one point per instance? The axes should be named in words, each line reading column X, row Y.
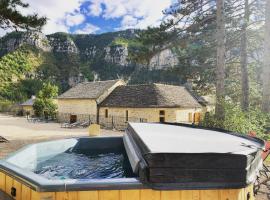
column 151, row 95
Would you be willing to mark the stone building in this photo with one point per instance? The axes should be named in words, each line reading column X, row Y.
column 113, row 103
column 152, row 102
column 27, row 106
column 81, row 102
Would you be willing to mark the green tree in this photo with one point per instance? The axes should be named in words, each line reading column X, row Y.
column 237, row 120
column 266, row 63
column 44, row 104
column 10, row 17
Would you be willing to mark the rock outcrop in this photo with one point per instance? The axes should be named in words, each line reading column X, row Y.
column 89, row 47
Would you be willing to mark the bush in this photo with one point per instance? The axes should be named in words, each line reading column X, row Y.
column 238, row 121
column 44, row 105
column 5, row 106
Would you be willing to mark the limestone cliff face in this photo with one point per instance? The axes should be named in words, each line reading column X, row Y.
column 63, row 46
column 164, row 59
column 14, row 40
column 117, row 54
column 89, row 47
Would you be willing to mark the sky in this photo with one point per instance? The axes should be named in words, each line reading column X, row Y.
column 97, row 16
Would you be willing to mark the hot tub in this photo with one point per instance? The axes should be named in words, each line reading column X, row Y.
column 145, row 164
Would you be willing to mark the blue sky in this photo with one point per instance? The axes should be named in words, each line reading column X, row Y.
column 97, row 16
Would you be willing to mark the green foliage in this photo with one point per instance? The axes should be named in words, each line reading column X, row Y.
column 87, row 72
column 10, row 17
column 39, row 107
column 170, row 76
column 119, row 41
column 48, row 91
column 30, row 86
column 61, row 36
column 18, row 64
column 44, row 104
column 238, row 121
column 16, row 69
column 5, row 105
column 148, row 43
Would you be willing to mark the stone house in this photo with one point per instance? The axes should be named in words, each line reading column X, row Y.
column 113, row 103
column 27, row 106
column 80, row 103
column 152, row 102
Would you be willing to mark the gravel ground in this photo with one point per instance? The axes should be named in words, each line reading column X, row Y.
column 19, row 132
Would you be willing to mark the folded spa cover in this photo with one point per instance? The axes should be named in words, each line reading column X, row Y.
column 173, row 156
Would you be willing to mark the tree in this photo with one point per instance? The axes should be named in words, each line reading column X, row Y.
column 266, row 62
column 220, row 68
column 10, row 17
column 188, row 33
column 44, row 105
column 243, row 60
column 148, row 43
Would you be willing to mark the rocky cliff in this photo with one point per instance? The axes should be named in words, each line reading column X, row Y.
column 86, row 46
column 67, row 59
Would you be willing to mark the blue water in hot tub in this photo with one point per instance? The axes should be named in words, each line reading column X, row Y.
column 70, row 165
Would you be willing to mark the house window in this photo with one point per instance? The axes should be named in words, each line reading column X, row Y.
column 126, row 115
column 106, row 113
column 162, row 112
column 162, row 116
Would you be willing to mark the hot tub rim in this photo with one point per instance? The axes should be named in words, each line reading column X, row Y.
column 41, row 184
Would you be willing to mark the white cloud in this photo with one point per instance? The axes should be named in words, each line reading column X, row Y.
column 133, row 13
column 129, row 21
column 95, row 9
column 87, row 29
column 74, row 19
column 56, row 11
column 63, row 14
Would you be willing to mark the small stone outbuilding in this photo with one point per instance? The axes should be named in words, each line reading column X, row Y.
column 27, row 106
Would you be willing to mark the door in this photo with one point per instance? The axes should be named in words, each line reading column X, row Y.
column 162, row 116
column 197, row 118
column 73, row 118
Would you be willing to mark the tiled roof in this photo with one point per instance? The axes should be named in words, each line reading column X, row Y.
column 29, row 102
column 88, row 90
column 151, row 95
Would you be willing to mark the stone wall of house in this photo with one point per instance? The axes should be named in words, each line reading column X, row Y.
column 179, row 115
column 77, row 106
column 86, row 110
column 28, row 109
column 186, row 115
column 65, row 118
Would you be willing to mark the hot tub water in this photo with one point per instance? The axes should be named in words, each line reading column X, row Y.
column 70, row 165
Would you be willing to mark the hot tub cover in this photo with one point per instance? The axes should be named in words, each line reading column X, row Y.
column 192, row 157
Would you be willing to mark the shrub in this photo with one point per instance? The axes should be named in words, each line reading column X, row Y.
column 238, row 121
column 44, row 105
